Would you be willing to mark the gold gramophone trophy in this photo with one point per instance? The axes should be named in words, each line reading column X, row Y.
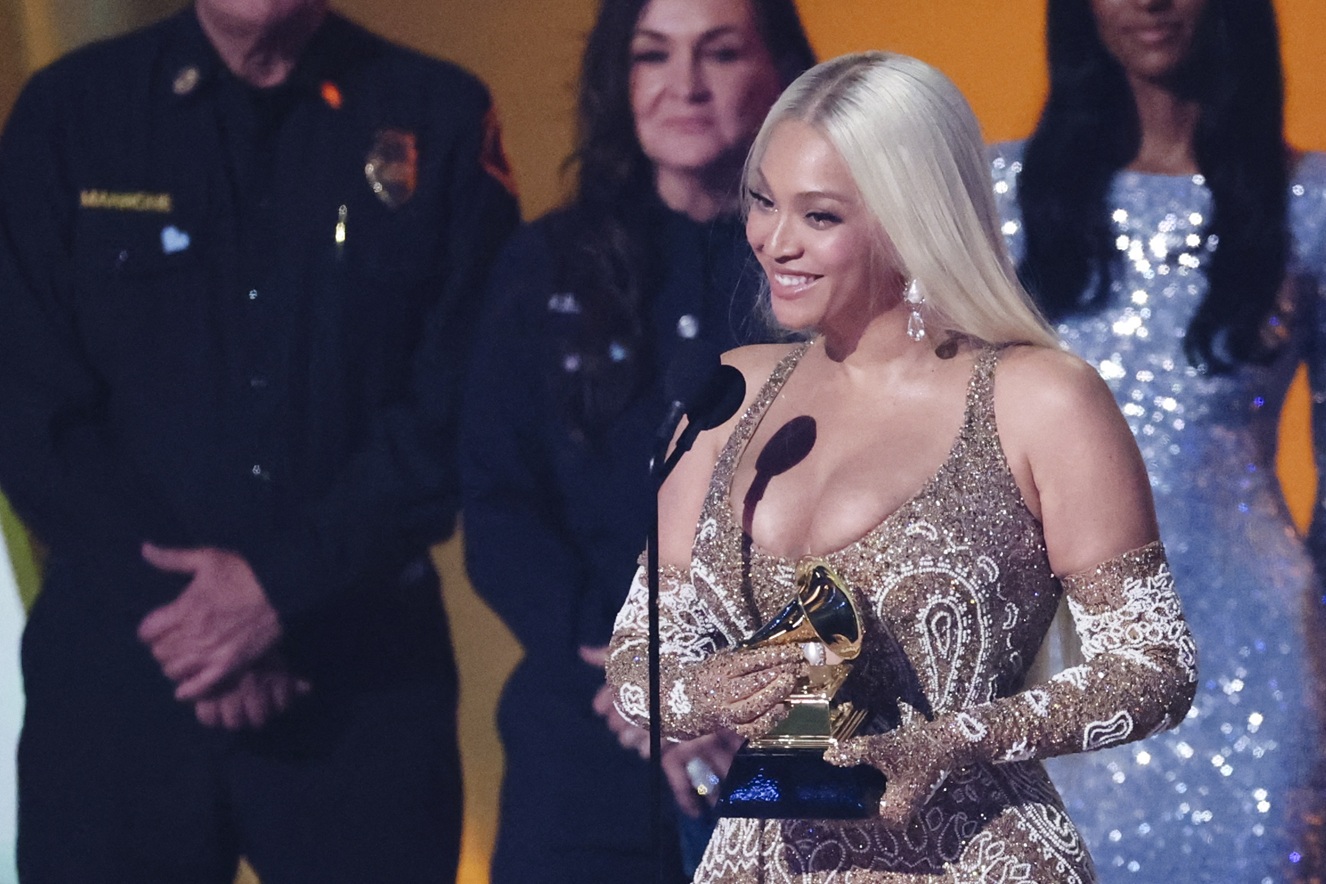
column 783, row 774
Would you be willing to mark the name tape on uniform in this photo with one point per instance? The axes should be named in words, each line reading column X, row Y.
column 126, row 201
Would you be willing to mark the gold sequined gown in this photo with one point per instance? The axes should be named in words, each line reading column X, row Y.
column 959, row 574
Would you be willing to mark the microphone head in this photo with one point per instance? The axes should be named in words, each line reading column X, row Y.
column 689, row 372
column 720, row 399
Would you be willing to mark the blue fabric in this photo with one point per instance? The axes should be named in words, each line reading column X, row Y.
column 1225, row 796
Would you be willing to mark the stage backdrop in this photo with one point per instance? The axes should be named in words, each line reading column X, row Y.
column 527, row 50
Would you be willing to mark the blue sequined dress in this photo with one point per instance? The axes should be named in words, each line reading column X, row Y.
column 1227, row 796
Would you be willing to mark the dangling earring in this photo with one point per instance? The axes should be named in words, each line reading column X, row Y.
column 915, row 297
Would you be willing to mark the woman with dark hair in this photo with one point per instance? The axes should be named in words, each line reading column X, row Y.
column 1178, row 244
column 589, row 305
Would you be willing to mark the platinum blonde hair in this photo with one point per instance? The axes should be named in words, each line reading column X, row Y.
column 915, row 151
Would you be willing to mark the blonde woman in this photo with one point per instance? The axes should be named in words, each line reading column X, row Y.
column 957, row 469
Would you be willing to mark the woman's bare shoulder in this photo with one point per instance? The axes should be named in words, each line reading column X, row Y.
column 1049, row 383
column 1049, row 402
column 1074, row 457
column 758, row 360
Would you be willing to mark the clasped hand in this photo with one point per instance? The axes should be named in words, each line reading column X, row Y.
column 216, row 639
column 744, row 690
column 254, row 697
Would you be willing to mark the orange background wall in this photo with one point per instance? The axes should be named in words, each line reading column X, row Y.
column 527, row 50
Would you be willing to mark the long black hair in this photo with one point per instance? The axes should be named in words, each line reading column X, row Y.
column 1089, row 130
column 606, row 243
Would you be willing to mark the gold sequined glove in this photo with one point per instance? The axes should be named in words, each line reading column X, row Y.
column 1139, row 678
column 743, row 690
column 915, row 760
column 705, row 684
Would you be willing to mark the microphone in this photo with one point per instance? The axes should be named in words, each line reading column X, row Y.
column 700, row 388
column 718, row 401
column 684, row 384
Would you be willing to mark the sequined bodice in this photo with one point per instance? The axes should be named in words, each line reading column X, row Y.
column 964, row 549
column 959, row 575
column 1208, row 440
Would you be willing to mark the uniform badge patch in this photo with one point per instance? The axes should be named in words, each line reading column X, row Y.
column 392, row 166
column 331, row 95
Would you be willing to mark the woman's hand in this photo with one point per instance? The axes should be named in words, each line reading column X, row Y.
column 696, row 768
column 743, row 690
column 915, row 760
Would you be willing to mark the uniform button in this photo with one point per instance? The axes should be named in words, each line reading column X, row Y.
column 688, row 326
column 259, row 473
column 253, row 294
column 258, row 382
column 186, row 80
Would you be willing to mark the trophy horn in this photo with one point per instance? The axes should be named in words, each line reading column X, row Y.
column 823, row 611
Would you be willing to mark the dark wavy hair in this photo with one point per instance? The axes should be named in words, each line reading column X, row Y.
column 605, row 242
column 1089, row 130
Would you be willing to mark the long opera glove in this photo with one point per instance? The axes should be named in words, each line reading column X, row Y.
column 705, row 683
column 1138, row 678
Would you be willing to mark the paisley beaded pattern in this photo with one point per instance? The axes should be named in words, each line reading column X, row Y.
column 959, row 574
column 1233, row 793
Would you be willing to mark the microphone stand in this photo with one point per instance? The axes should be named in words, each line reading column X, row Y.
column 659, row 468
column 726, row 389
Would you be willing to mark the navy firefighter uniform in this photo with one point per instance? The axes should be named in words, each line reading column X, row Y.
column 555, row 518
column 237, row 317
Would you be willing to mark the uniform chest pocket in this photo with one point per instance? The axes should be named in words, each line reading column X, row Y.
column 133, row 246
column 140, row 289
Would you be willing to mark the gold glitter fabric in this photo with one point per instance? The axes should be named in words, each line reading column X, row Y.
column 959, row 574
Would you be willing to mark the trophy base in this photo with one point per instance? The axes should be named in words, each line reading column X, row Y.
column 798, row 784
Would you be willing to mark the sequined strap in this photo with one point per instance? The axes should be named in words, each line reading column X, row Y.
column 980, row 391
column 718, row 539
column 736, row 443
